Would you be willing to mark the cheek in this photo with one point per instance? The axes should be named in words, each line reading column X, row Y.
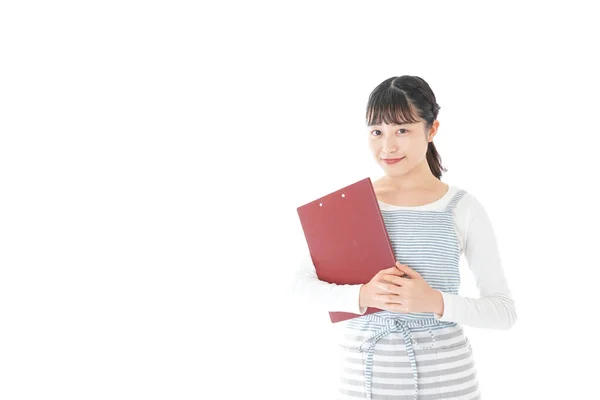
column 416, row 148
column 373, row 147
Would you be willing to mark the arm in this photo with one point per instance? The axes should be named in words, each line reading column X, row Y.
column 495, row 307
column 328, row 296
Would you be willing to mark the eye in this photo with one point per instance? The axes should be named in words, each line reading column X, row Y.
column 376, row 132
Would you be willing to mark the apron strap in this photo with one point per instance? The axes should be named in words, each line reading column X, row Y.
column 455, row 199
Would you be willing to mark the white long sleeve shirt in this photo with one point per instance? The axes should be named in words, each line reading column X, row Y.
column 494, row 308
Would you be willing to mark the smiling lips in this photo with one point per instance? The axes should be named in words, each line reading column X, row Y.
column 392, row 160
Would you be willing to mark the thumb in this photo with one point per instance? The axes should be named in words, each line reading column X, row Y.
column 408, row 270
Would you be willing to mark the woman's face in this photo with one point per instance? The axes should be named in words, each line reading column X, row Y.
column 407, row 142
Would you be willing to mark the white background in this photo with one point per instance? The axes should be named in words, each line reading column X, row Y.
column 153, row 154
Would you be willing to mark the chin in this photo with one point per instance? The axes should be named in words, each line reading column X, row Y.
column 394, row 174
column 392, row 170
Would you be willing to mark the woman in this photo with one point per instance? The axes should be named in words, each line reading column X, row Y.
column 415, row 348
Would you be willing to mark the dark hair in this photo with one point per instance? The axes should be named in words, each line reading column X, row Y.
column 406, row 99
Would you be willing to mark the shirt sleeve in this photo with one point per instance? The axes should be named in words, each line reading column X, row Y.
column 494, row 308
column 323, row 295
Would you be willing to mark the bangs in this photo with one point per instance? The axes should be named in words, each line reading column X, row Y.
column 390, row 106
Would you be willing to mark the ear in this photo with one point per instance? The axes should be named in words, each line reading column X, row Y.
column 433, row 130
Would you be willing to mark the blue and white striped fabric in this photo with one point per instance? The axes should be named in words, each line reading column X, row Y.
column 379, row 357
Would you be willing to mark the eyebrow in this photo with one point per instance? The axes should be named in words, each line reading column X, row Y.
column 403, row 123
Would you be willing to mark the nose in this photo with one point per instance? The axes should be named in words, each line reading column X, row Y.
column 389, row 145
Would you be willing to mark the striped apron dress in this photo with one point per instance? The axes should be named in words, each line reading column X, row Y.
column 412, row 356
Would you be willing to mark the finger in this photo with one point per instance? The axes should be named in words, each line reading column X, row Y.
column 391, row 271
column 388, row 298
column 387, row 287
column 407, row 270
column 395, row 279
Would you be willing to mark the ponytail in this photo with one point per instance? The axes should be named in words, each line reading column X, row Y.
column 435, row 161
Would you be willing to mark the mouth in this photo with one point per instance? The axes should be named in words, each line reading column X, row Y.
column 392, row 160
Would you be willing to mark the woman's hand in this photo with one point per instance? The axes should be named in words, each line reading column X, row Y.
column 369, row 291
column 389, row 290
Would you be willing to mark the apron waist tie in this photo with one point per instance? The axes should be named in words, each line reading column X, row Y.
column 394, row 325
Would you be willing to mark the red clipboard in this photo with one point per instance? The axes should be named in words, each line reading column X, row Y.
column 347, row 238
